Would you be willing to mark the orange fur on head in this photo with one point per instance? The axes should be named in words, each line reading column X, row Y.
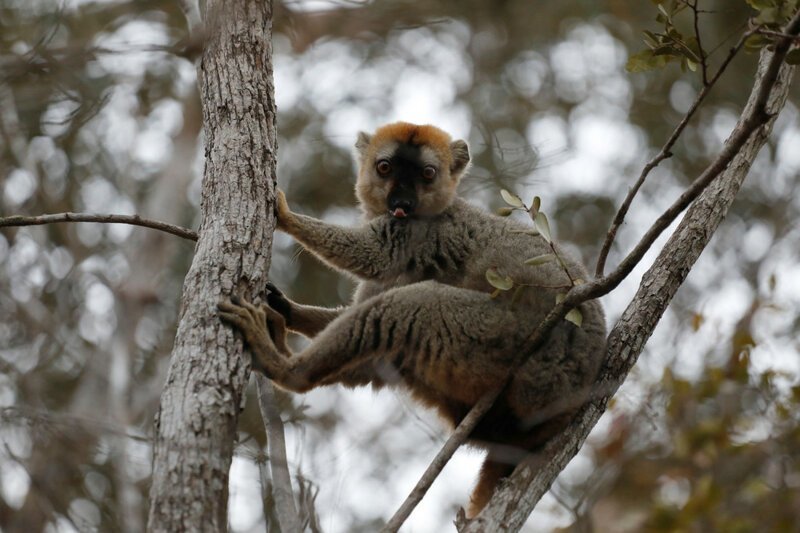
column 418, row 135
column 452, row 159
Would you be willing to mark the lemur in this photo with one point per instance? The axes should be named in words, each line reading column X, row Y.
column 424, row 316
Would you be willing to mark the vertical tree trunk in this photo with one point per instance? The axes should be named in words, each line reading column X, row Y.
column 196, row 423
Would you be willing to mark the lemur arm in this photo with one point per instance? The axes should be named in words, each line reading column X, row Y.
column 356, row 250
column 307, row 320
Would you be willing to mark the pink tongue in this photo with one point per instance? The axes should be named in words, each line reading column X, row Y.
column 399, row 213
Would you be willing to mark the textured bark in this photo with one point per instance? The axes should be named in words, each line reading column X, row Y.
column 196, row 422
column 514, row 501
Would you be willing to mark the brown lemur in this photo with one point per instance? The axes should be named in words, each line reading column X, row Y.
column 423, row 316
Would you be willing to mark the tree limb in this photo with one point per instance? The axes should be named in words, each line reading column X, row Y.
column 279, row 466
column 773, row 75
column 134, row 220
column 513, row 502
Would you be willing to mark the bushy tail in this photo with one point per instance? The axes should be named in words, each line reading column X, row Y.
column 502, row 459
column 492, row 472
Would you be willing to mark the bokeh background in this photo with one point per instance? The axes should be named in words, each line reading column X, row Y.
column 99, row 112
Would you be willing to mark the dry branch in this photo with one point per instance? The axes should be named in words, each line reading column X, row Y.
column 767, row 97
column 513, row 502
column 134, row 220
column 279, row 465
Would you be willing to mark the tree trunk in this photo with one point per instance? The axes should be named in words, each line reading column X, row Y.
column 196, row 422
column 513, row 502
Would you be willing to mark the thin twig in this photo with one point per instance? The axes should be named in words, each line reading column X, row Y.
column 282, row 492
column 756, row 118
column 134, row 220
column 778, row 34
column 665, row 153
column 693, row 5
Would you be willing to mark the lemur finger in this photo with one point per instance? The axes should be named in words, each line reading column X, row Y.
column 253, row 309
column 233, row 318
column 249, row 316
column 274, row 290
column 279, row 302
column 233, row 307
column 227, row 306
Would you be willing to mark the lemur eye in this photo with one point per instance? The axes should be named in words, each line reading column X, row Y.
column 429, row 172
column 383, row 167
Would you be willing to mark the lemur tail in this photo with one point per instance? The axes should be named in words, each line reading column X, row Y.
column 502, row 459
column 492, row 472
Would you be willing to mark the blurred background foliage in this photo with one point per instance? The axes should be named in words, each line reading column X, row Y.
column 99, row 112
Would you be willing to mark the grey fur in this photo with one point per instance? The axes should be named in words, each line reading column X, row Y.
column 460, row 152
column 422, row 317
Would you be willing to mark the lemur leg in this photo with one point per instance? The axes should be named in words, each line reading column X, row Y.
column 455, row 342
column 307, row 320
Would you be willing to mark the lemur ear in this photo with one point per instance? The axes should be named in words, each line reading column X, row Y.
column 362, row 143
column 460, row 153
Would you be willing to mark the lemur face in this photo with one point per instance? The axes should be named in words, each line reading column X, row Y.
column 407, row 170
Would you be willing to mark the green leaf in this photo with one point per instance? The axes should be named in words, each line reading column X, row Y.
column 793, row 57
column 542, row 225
column 575, row 317
column 511, row 199
column 535, row 205
column 540, row 259
column 667, row 50
column 651, row 39
column 560, row 296
column 768, row 15
column 497, row 280
column 761, row 4
column 756, row 42
column 505, row 211
column 691, row 65
column 644, row 61
column 694, row 46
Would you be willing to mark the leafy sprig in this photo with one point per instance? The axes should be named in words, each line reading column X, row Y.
column 502, row 282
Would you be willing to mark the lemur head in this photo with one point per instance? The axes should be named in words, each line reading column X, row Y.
column 408, row 170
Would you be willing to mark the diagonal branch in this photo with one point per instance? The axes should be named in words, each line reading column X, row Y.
column 767, row 98
column 134, row 220
column 513, row 502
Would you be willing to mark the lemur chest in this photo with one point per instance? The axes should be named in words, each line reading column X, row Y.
column 432, row 256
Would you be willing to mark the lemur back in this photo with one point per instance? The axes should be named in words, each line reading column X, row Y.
column 424, row 316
